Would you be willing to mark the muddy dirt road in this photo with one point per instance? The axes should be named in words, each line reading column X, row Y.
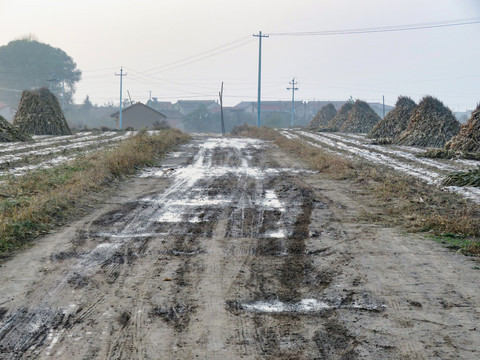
column 232, row 249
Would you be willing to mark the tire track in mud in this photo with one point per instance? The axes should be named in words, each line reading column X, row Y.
column 180, row 270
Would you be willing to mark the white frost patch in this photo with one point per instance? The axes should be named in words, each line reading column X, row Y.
column 271, row 201
column 278, row 234
column 57, row 149
column 424, row 174
column 289, row 135
column 53, row 337
column 380, row 155
column 468, row 192
column 277, row 306
column 124, row 235
column 385, row 150
column 98, row 255
column 170, row 217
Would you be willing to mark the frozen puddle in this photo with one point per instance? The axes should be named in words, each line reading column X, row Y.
column 304, row 306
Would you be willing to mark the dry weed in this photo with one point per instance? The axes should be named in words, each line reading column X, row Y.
column 35, row 203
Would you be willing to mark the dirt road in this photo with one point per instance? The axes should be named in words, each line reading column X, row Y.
column 232, row 249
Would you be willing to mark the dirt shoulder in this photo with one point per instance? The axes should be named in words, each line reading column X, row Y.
column 234, row 249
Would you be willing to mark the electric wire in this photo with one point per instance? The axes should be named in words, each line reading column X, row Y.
column 418, row 26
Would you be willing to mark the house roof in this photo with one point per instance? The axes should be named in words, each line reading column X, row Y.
column 195, row 102
column 173, row 114
column 134, row 107
column 273, row 106
column 192, row 105
column 159, row 105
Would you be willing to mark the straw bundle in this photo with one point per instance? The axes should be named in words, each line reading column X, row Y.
column 431, row 124
column 463, row 178
column 395, row 121
column 468, row 139
column 339, row 119
column 361, row 118
column 39, row 113
column 323, row 117
column 9, row 133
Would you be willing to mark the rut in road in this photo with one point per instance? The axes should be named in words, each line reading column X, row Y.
column 223, row 262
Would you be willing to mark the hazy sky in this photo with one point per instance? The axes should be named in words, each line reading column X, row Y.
column 148, row 38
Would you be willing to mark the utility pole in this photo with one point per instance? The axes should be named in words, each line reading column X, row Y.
column 260, row 36
column 293, row 88
column 383, row 106
column 120, row 113
column 221, row 109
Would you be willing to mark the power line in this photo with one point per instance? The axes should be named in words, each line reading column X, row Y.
column 419, row 26
column 201, row 56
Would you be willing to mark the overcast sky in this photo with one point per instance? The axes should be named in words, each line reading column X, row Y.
column 149, row 38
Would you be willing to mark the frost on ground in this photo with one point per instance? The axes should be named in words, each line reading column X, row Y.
column 231, row 249
column 399, row 158
column 50, row 151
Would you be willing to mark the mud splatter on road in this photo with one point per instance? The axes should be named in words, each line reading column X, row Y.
column 231, row 249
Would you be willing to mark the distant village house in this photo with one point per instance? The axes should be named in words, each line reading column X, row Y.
column 139, row 116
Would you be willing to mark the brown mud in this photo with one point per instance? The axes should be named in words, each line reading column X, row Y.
column 231, row 249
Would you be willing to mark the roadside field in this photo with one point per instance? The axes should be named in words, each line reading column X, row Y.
column 47, row 151
column 404, row 159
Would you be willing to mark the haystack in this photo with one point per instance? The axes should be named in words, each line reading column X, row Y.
column 340, row 118
column 39, row 113
column 395, row 121
column 323, row 117
column 9, row 133
column 361, row 118
column 468, row 139
column 431, row 124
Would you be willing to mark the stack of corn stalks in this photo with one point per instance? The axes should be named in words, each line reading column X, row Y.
column 39, row 113
column 339, row 119
column 463, row 178
column 361, row 119
column 468, row 139
column 450, row 154
column 432, row 124
column 9, row 133
column 323, row 117
column 394, row 122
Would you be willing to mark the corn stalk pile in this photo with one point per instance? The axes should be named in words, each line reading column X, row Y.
column 395, row 121
column 468, row 139
column 39, row 113
column 361, row 119
column 450, row 154
column 339, row 119
column 323, row 117
column 9, row 133
column 432, row 124
column 463, row 178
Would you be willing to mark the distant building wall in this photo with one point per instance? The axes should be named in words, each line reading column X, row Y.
column 139, row 116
